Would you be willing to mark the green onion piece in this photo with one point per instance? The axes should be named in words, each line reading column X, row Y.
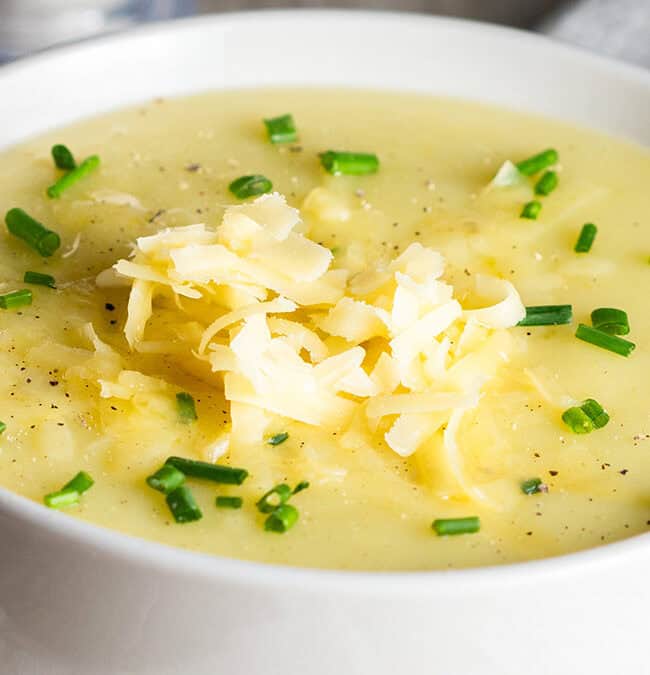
column 577, row 420
column 166, row 479
column 281, row 129
column 183, row 506
column 531, row 210
column 349, row 163
column 250, row 186
column 547, row 315
column 214, row 472
column 69, row 179
column 531, row 486
column 546, row 184
column 595, row 412
column 39, row 279
column 282, row 519
column 63, row 158
column 223, row 502
column 610, row 320
column 32, row 232
column 303, row 485
column 612, row 343
column 186, row 407
column 80, row 483
column 450, row 526
column 278, row 438
column 16, row 299
column 3, row 426
column 56, row 500
column 275, row 497
column 536, row 163
column 586, row 238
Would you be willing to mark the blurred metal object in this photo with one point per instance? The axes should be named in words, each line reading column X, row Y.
column 523, row 13
column 618, row 28
column 30, row 25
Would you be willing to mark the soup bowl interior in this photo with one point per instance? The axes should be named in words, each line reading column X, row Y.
column 76, row 599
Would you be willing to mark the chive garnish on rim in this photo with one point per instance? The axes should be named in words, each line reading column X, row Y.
column 63, row 158
column 349, row 163
column 16, row 299
column 586, row 238
column 283, row 518
column 183, row 506
column 186, row 407
column 546, row 184
column 214, row 472
column 224, row 502
column 453, row 526
column 250, row 186
column 39, row 279
column 281, row 129
column 166, row 479
column 531, row 210
column 75, row 175
column 538, row 162
column 599, row 338
column 547, row 315
column 23, row 226
column 278, row 439
column 610, row 320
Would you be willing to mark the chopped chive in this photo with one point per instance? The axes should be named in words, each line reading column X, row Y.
column 80, row 483
column 63, row 158
column 250, row 186
column 536, row 163
column 23, row 226
column 577, row 420
column 39, row 279
column 546, row 184
column 69, row 179
column 183, row 506
column 283, row 518
column 214, row 472
column 278, row 438
column 274, row 498
column 16, row 299
column 610, row 320
column 532, row 486
column 186, row 407
column 598, row 338
column 547, row 315
column 224, row 502
column 281, row 129
column 303, row 485
column 3, row 426
column 70, row 492
column 349, row 163
column 596, row 413
column 531, row 210
column 586, row 238
column 56, row 500
column 166, row 479
column 450, row 526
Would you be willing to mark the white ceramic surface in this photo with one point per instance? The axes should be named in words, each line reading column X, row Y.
column 77, row 599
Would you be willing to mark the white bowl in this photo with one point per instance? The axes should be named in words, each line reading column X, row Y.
column 78, row 599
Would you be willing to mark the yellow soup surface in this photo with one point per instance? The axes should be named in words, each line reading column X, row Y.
column 76, row 400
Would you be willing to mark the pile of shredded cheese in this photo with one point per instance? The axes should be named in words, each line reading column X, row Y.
column 286, row 334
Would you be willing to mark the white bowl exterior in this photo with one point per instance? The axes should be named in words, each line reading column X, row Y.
column 76, row 599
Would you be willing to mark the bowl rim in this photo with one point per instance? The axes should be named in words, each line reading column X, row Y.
column 176, row 560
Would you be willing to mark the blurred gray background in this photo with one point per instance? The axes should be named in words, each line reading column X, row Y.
column 618, row 28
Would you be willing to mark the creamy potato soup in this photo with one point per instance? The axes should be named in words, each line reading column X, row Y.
column 374, row 331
